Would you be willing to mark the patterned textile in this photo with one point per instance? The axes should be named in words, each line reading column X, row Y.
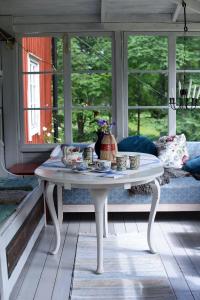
column 130, row 271
column 26, row 184
column 6, row 211
column 183, row 190
column 12, row 196
column 172, row 150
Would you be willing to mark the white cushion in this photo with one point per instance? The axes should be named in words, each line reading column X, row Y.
column 172, row 150
column 57, row 152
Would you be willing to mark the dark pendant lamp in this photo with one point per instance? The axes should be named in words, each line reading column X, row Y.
column 187, row 97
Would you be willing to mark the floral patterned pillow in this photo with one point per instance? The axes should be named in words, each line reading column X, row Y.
column 172, row 151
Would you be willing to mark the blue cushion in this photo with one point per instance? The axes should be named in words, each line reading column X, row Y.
column 26, row 184
column 137, row 144
column 6, row 211
column 192, row 165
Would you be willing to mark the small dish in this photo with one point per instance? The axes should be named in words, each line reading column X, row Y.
column 81, row 171
column 102, row 171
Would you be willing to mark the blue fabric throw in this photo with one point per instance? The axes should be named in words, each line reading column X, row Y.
column 192, row 165
column 137, row 144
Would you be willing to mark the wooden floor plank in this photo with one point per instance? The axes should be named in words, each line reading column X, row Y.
column 85, row 220
column 130, row 224
column 190, row 240
column 172, row 268
column 172, row 234
column 111, row 227
column 119, row 224
column 32, row 278
column 19, row 283
column 177, row 241
column 48, row 276
column 196, row 295
column 63, row 279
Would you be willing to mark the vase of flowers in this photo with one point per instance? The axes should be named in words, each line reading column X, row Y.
column 104, row 144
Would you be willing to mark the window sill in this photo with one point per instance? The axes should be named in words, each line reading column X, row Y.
column 37, row 148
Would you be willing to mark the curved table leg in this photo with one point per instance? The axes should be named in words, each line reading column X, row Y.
column 155, row 201
column 49, row 199
column 99, row 197
column 105, row 223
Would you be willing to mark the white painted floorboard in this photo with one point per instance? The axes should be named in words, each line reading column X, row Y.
column 47, row 277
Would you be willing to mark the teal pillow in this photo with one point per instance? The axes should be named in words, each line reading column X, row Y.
column 192, row 165
column 137, row 143
column 26, row 184
column 6, row 211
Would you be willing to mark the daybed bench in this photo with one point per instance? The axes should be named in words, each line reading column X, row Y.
column 181, row 194
column 21, row 221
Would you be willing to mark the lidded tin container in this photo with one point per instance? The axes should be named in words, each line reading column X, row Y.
column 88, row 154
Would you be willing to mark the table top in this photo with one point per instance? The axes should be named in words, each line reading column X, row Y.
column 150, row 168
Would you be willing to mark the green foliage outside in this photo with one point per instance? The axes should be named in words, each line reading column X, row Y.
column 91, row 65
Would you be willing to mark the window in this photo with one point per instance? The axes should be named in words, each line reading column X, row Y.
column 52, row 115
column 147, row 85
column 33, row 98
column 187, row 121
column 91, row 83
column 43, row 97
column 70, row 82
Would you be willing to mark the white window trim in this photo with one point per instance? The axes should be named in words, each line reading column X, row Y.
column 68, row 84
column 33, row 128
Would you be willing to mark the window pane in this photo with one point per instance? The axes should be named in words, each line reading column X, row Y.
column 147, row 52
column 187, row 122
column 43, row 90
column 147, row 89
column 91, row 89
column 84, row 124
column 48, row 50
column 43, row 126
column 192, row 53
column 151, row 123
column 91, row 53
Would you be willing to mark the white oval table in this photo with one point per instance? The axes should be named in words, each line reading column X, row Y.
column 148, row 171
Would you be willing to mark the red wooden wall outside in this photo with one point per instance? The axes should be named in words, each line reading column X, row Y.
column 40, row 47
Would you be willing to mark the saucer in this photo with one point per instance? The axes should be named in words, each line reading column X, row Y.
column 81, row 171
column 102, row 171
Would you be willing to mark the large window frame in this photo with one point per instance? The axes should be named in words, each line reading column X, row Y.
column 127, row 72
column 119, row 83
column 68, row 107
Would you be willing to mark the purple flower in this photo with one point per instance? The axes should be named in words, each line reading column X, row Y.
column 102, row 122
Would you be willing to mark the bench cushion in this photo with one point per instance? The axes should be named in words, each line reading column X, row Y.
column 26, row 184
column 12, row 196
column 184, row 190
column 6, row 210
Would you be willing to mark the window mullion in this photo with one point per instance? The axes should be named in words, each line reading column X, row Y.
column 172, row 82
column 125, row 85
column 67, row 90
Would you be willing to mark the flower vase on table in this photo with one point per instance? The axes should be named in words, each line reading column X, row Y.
column 106, row 145
column 108, row 149
column 97, row 146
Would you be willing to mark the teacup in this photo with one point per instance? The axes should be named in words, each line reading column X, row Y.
column 103, row 165
column 81, row 165
column 121, row 162
column 134, row 161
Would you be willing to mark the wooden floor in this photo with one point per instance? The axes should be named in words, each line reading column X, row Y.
column 177, row 238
